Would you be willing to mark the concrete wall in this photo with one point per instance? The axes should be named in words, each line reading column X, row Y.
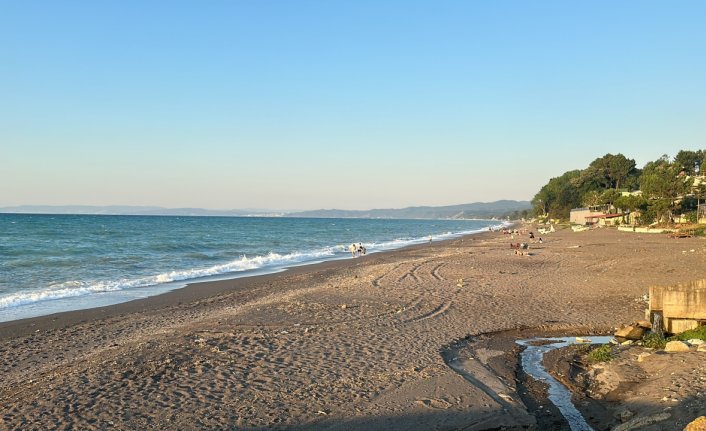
column 683, row 306
column 643, row 229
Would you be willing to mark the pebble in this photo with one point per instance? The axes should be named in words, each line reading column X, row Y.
column 641, row 357
column 676, row 346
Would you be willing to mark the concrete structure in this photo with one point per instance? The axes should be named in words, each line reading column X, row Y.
column 643, row 229
column 681, row 307
column 605, row 219
column 581, row 215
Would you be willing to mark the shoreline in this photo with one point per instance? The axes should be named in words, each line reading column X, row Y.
column 111, row 275
column 357, row 344
column 189, row 292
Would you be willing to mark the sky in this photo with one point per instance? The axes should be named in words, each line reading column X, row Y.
column 295, row 105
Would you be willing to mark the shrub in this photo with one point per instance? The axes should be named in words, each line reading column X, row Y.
column 654, row 341
column 603, row 353
column 699, row 333
column 691, row 217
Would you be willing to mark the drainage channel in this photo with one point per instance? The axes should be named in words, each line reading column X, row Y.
column 531, row 361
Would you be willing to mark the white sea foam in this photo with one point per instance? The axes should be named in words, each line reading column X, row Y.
column 76, row 288
column 271, row 261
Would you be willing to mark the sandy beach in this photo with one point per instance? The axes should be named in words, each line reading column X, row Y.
column 420, row 338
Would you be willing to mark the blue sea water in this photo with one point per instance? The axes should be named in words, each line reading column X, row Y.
column 52, row 263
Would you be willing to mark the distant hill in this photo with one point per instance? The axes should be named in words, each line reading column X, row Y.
column 474, row 210
column 131, row 210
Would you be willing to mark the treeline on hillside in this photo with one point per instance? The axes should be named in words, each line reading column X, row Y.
column 669, row 187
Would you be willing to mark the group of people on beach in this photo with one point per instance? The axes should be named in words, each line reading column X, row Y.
column 357, row 249
column 520, row 246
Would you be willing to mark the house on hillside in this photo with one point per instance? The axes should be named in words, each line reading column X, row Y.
column 582, row 215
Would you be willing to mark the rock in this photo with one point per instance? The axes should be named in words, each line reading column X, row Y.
column 644, row 324
column 701, row 348
column 696, row 342
column 630, row 332
column 641, row 357
column 676, row 346
column 641, row 422
column 698, row 424
column 624, row 415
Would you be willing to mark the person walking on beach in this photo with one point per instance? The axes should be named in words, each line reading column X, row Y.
column 361, row 249
column 353, row 249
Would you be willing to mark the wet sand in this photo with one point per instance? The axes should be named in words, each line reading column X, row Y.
column 419, row 338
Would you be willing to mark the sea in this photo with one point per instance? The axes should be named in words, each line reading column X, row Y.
column 54, row 263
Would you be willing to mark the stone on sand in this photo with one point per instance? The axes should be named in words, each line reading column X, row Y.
column 644, row 324
column 642, row 421
column 630, row 332
column 676, row 346
column 624, row 415
column 698, row 424
column 641, row 357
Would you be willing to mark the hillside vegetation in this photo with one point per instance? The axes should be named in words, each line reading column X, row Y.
column 660, row 191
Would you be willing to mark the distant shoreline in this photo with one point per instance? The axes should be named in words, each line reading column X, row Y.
column 192, row 291
column 174, row 253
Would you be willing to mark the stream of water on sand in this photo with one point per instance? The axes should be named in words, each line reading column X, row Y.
column 531, row 360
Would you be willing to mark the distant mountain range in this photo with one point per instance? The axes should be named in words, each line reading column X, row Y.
column 132, row 210
column 474, row 210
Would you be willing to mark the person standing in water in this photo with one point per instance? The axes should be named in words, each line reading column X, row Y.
column 361, row 249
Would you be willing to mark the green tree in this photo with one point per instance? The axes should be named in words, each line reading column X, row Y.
column 609, row 196
column 662, row 183
column 591, row 198
column 558, row 196
column 690, row 161
column 631, row 203
column 609, row 172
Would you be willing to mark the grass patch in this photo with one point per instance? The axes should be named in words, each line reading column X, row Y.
column 582, row 349
column 699, row 333
column 603, row 353
column 654, row 341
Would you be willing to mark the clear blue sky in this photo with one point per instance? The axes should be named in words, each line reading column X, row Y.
column 347, row 104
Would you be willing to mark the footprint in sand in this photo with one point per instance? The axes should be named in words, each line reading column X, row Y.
column 434, row 403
